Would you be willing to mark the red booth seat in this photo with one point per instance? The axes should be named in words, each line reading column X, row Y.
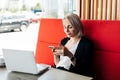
column 105, row 37
column 104, row 33
column 50, row 33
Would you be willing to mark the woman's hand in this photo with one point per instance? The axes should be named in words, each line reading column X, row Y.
column 58, row 50
column 62, row 50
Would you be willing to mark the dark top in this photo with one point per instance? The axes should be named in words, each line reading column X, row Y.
column 83, row 54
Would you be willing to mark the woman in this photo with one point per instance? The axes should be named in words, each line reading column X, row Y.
column 75, row 51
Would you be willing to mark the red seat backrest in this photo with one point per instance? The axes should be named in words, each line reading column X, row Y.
column 104, row 33
column 106, row 38
column 50, row 33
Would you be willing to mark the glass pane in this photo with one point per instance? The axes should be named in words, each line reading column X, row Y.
column 58, row 8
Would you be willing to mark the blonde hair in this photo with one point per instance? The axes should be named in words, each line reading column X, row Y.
column 75, row 22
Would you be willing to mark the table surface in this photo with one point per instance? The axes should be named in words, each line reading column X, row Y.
column 51, row 74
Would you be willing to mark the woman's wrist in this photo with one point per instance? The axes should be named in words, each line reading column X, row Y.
column 72, row 58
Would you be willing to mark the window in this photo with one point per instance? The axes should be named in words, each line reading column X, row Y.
column 58, row 8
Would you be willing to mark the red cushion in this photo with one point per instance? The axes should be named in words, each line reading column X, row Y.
column 106, row 38
column 44, row 54
column 105, row 34
column 51, row 30
column 50, row 33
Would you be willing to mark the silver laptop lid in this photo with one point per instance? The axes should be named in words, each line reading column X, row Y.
column 20, row 60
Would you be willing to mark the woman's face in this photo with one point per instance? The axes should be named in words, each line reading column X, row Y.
column 69, row 29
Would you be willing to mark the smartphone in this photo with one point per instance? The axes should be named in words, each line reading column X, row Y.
column 51, row 47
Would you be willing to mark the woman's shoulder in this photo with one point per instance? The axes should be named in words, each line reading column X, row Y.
column 86, row 43
column 86, row 40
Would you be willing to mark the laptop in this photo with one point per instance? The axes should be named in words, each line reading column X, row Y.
column 23, row 61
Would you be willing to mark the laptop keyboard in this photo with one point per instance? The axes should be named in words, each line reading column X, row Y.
column 42, row 66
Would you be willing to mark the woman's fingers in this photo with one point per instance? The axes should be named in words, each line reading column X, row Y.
column 58, row 50
column 53, row 50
